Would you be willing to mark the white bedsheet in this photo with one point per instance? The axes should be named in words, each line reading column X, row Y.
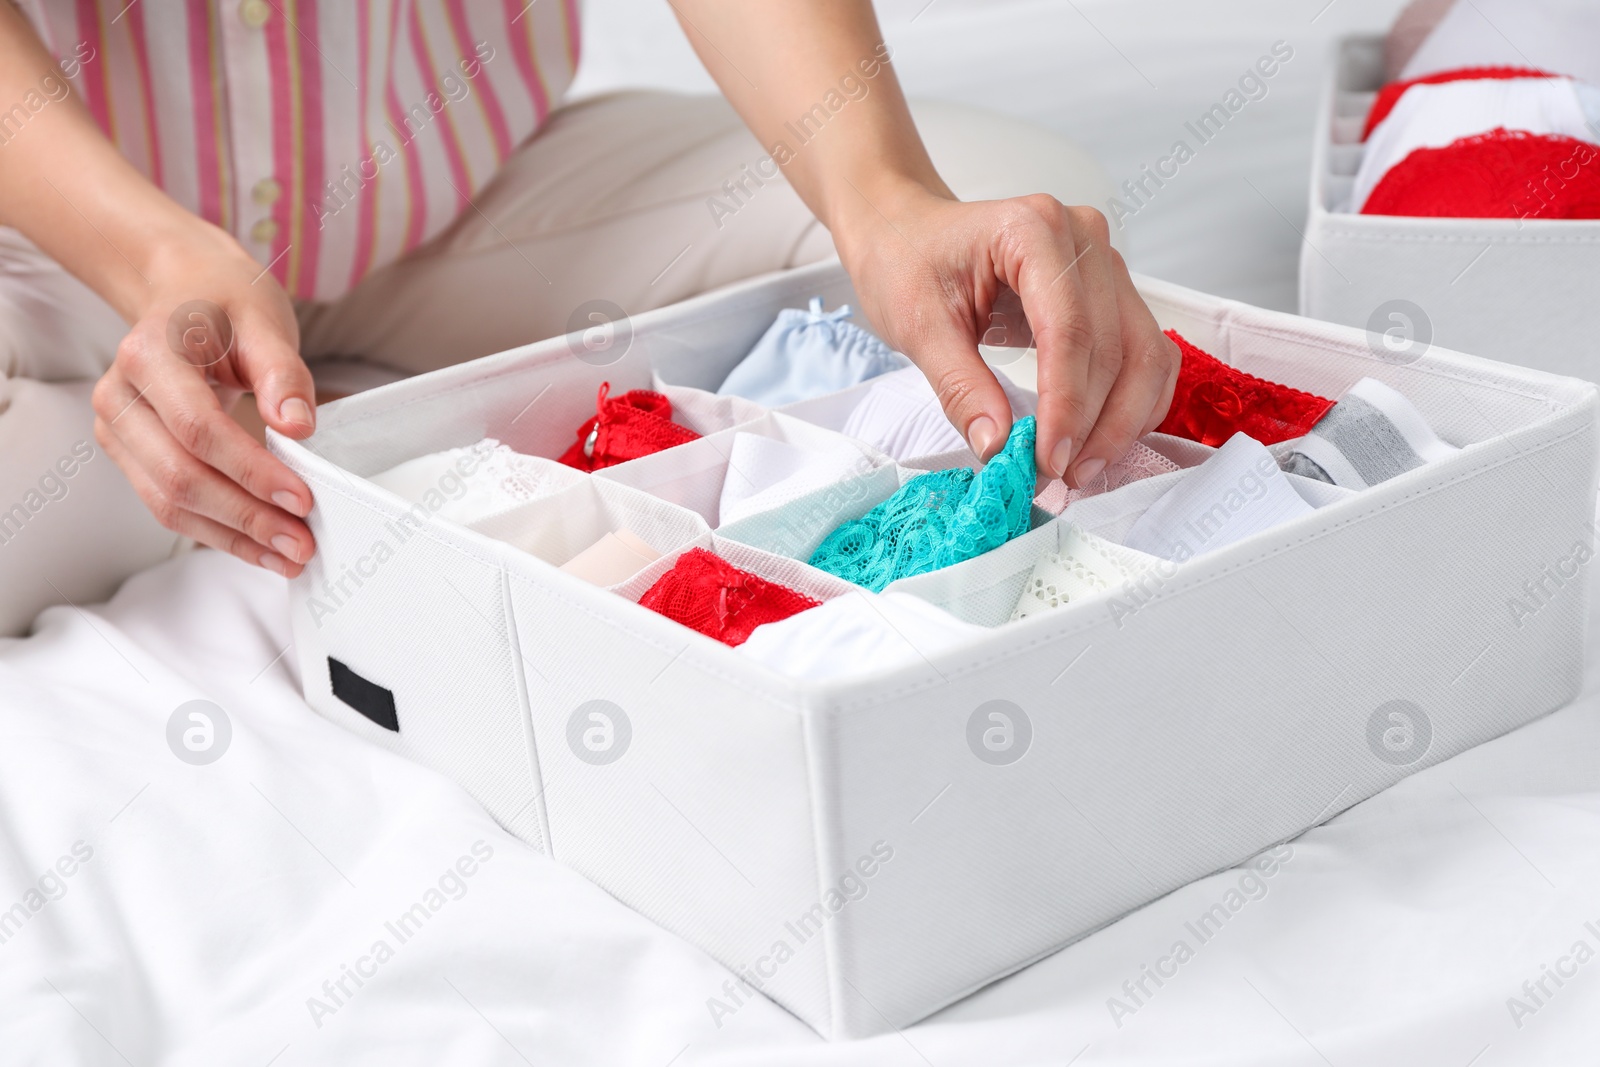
column 218, row 899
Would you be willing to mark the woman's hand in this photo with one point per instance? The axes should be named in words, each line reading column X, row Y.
column 208, row 324
column 930, row 270
column 936, row 275
column 212, row 326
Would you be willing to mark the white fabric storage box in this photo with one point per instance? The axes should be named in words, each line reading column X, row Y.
column 844, row 845
column 1517, row 290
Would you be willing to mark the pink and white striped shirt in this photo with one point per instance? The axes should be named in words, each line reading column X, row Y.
column 329, row 136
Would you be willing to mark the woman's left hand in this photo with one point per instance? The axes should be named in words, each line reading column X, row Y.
column 931, row 271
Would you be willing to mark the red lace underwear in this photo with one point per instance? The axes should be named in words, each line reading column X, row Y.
column 626, row 427
column 707, row 593
column 1214, row 401
column 1502, row 174
column 1390, row 94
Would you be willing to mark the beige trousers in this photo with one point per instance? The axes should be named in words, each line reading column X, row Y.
column 640, row 199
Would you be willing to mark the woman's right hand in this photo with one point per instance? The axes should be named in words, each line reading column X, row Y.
column 208, row 324
column 213, row 326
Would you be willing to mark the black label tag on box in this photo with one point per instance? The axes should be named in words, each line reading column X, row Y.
column 369, row 698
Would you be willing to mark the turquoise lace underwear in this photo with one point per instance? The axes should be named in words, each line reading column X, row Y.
column 937, row 519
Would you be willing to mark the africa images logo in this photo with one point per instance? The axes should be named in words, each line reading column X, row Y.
column 599, row 732
column 999, row 732
column 1399, row 733
column 198, row 732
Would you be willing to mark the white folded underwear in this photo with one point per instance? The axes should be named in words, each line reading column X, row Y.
column 1079, row 566
column 1237, row 492
column 764, row 473
column 900, row 415
column 475, row 482
column 857, row 632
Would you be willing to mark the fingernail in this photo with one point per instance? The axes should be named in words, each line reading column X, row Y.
column 287, row 546
column 1059, row 457
column 1088, row 469
column 274, row 563
column 296, row 410
column 289, row 502
column 981, row 433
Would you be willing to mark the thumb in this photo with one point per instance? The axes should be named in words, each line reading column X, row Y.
column 285, row 394
column 967, row 390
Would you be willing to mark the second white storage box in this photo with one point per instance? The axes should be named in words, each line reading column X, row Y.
column 1522, row 291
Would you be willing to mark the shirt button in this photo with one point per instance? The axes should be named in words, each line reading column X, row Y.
column 255, row 13
column 266, row 191
column 264, row 231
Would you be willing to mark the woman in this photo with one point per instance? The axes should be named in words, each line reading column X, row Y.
column 234, row 189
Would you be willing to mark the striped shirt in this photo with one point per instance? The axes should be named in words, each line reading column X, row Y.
column 329, row 136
